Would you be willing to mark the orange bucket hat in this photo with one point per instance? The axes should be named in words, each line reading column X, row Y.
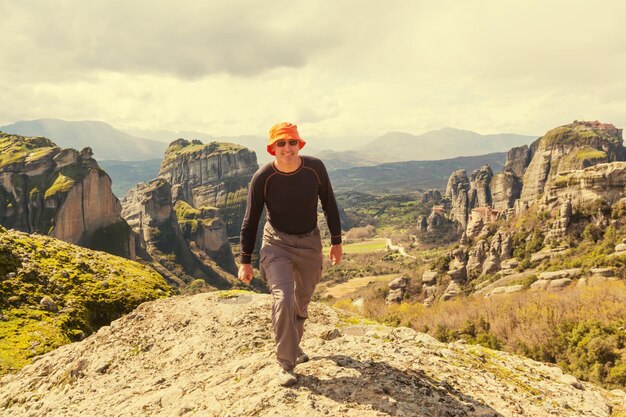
column 284, row 131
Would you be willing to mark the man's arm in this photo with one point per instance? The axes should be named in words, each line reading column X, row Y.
column 331, row 211
column 250, row 225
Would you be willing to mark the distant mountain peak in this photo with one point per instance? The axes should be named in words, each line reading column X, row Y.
column 106, row 141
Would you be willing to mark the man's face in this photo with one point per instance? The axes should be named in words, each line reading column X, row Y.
column 288, row 153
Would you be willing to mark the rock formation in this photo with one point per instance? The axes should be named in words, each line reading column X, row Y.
column 432, row 195
column 479, row 194
column 149, row 211
column 505, row 189
column 211, row 355
column 211, row 175
column 457, row 191
column 517, row 159
column 397, row 289
column 575, row 165
column 207, row 230
column 62, row 193
column 568, row 148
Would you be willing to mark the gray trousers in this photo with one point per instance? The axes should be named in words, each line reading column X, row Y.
column 292, row 267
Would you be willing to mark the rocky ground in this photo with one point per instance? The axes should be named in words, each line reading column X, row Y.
column 211, row 355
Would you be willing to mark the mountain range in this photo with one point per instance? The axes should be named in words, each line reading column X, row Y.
column 109, row 143
column 409, row 176
column 105, row 141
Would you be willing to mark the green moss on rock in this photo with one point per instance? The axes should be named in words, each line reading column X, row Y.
column 183, row 147
column 83, row 290
column 20, row 149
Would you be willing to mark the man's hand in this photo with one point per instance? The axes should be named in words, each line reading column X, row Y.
column 245, row 273
column 335, row 254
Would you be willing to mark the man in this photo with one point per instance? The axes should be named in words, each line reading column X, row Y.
column 291, row 255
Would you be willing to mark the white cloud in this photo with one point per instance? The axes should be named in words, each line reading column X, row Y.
column 351, row 68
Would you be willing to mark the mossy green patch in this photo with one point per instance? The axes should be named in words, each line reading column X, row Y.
column 66, row 179
column 222, row 295
column 185, row 211
column 19, row 149
column 61, row 184
column 577, row 134
column 590, row 153
column 183, row 147
column 83, row 289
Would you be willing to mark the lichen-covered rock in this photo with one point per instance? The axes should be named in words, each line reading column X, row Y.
column 429, row 278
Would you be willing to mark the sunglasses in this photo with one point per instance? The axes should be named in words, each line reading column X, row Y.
column 292, row 142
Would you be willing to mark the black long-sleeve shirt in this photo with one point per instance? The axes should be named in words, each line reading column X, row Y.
column 291, row 202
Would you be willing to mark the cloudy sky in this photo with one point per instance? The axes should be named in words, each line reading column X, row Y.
column 338, row 68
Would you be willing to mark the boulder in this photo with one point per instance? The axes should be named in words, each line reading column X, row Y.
column 48, row 304
column 559, row 284
column 397, row 289
column 429, row 278
column 453, row 290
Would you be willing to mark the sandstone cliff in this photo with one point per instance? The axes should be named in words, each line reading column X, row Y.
column 60, row 192
column 149, row 210
column 212, row 355
column 211, row 175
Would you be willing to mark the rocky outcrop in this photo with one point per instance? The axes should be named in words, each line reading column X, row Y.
column 206, row 229
column 397, row 289
column 457, row 191
column 567, row 148
column 60, row 192
column 605, row 181
column 517, row 159
column 575, row 165
column 479, row 194
column 211, row 175
column 432, row 195
column 149, row 211
column 211, row 355
column 505, row 188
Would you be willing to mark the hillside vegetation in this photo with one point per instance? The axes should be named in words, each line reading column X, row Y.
column 53, row 293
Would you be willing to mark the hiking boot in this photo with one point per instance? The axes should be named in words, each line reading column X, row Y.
column 285, row 378
column 302, row 357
